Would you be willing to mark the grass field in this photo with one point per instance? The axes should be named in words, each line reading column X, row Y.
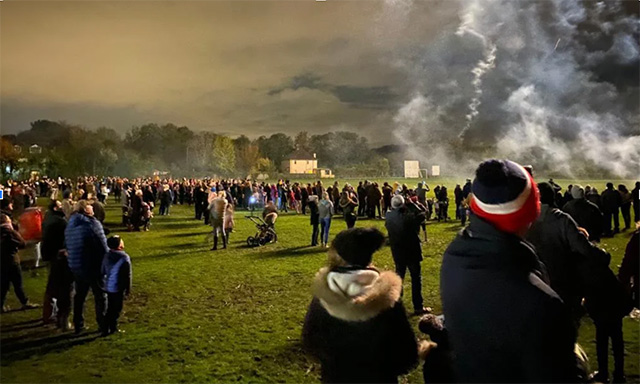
column 225, row 316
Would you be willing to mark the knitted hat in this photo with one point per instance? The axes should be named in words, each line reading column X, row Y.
column 577, row 192
column 357, row 245
column 505, row 194
column 397, row 201
column 547, row 194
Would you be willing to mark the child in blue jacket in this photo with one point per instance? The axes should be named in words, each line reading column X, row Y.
column 116, row 268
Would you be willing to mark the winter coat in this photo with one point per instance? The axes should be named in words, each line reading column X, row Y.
column 10, row 243
column 116, row 269
column 357, row 327
column 403, row 228
column 53, row 228
column 373, row 196
column 313, row 212
column 611, row 200
column 570, row 259
column 606, row 300
column 86, row 245
column 217, row 209
column 325, row 209
column 629, row 273
column 505, row 324
column 587, row 215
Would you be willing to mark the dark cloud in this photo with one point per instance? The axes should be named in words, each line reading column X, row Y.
column 373, row 97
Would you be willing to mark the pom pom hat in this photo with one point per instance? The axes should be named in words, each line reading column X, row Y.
column 505, row 194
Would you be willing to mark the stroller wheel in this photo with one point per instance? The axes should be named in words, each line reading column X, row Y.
column 275, row 238
column 251, row 241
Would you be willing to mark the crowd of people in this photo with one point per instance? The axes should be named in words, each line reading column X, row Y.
column 514, row 285
column 515, row 282
column 80, row 259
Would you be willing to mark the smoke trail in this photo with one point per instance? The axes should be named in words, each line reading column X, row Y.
column 563, row 96
column 484, row 65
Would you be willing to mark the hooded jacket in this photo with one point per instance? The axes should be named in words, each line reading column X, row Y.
column 53, row 228
column 505, row 324
column 116, row 269
column 357, row 327
column 86, row 245
column 587, row 215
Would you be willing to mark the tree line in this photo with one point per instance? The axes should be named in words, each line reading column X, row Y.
column 72, row 150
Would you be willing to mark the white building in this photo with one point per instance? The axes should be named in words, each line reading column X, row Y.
column 300, row 162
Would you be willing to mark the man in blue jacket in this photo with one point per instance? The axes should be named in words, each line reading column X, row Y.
column 86, row 246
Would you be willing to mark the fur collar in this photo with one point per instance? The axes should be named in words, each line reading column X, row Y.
column 380, row 293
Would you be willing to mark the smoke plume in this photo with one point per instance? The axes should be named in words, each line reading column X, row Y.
column 548, row 83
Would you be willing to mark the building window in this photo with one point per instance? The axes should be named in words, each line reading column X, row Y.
column 295, row 162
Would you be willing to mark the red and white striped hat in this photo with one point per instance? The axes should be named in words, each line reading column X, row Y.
column 505, row 194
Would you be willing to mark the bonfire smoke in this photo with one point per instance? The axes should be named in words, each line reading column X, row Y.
column 553, row 84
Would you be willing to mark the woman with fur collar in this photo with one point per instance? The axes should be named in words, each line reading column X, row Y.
column 356, row 324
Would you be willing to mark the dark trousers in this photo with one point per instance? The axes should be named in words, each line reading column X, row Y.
column 314, row 234
column 625, row 209
column 114, row 307
column 416, row 280
column 607, row 222
column 605, row 330
column 304, row 206
column 198, row 206
column 636, row 212
column 361, row 207
column 12, row 274
column 350, row 219
column 82, row 290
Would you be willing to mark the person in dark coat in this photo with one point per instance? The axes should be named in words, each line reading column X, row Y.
column 373, row 201
column 607, row 302
column 635, row 197
column 166, row 197
column 52, row 243
column 348, row 203
column 504, row 322
column 10, row 243
column 136, row 210
column 356, row 324
column 86, row 247
column 403, row 227
column 362, row 197
column 314, row 219
column 611, row 201
column 629, row 273
column 570, row 259
column 625, row 205
column 594, row 197
column 387, row 192
column 304, row 197
column 586, row 214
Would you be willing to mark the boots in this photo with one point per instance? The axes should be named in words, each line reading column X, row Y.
column 224, row 241
column 215, row 243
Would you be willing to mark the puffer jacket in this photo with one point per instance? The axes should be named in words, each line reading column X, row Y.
column 86, row 245
column 357, row 327
column 116, row 269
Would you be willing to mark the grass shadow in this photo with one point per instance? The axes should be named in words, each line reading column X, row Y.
column 290, row 252
column 20, row 351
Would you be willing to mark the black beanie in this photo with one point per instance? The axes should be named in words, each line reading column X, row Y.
column 547, row 194
column 357, row 245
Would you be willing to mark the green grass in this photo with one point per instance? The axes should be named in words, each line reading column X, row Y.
column 230, row 315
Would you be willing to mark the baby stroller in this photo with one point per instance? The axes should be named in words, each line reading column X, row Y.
column 266, row 233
